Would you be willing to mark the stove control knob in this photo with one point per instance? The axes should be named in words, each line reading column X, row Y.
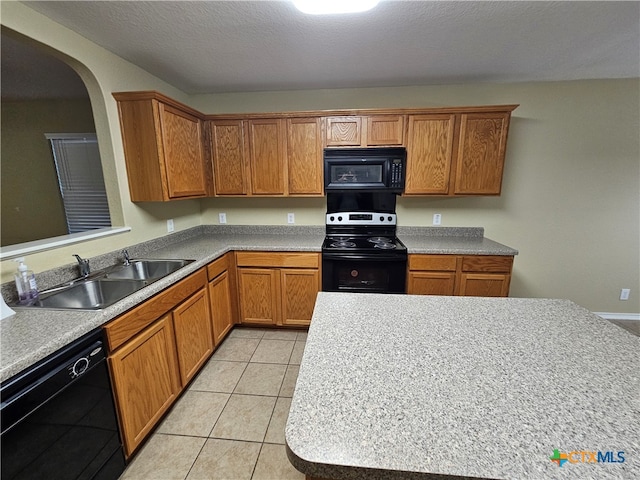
column 339, row 219
column 382, row 219
column 332, row 218
column 390, row 218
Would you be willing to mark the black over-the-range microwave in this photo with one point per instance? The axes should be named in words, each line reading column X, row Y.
column 373, row 169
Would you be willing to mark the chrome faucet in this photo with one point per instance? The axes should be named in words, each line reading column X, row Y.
column 127, row 261
column 83, row 265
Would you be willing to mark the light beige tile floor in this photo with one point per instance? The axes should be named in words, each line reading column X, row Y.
column 229, row 424
column 632, row 326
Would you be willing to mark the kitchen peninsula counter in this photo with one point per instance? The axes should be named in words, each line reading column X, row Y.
column 425, row 387
column 32, row 334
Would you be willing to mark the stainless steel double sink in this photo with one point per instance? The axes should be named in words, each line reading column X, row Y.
column 106, row 287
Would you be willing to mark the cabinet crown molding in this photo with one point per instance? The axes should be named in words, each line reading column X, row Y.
column 155, row 95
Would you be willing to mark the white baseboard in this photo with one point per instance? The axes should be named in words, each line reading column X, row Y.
column 619, row 316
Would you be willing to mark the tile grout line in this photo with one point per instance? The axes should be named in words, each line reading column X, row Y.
column 277, row 397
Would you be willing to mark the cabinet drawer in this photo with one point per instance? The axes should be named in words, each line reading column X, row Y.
column 275, row 259
column 218, row 266
column 480, row 263
column 121, row 329
column 432, row 262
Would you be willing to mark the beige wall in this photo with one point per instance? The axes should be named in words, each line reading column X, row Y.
column 571, row 194
column 31, row 203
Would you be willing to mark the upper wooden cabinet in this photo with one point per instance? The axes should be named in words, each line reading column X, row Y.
column 365, row 131
column 429, row 154
column 230, row 169
column 481, row 151
column 164, row 148
column 170, row 154
column 304, row 156
column 267, row 156
column 457, row 153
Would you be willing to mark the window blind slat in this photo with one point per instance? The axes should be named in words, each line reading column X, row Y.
column 81, row 182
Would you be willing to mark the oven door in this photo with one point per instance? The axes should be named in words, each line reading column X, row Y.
column 363, row 274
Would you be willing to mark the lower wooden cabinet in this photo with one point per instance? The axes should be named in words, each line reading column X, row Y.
column 277, row 288
column 194, row 339
column 155, row 349
column 469, row 275
column 431, row 283
column 485, row 275
column 258, row 291
column 146, row 380
column 484, row 285
column 298, row 291
column 222, row 296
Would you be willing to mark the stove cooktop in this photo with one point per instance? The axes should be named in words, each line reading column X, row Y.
column 362, row 243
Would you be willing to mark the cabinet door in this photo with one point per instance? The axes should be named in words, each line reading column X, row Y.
column 221, row 307
column 300, row 288
column 229, row 161
column 483, row 139
column 385, row 130
column 258, row 293
column 484, row 284
column 183, row 153
column 431, row 283
column 194, row 339
column 304, row 156
column 145, row 380
column 344, row 131
column 266, row 157
column 429, row 154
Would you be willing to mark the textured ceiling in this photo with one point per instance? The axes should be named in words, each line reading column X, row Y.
column 228, row 46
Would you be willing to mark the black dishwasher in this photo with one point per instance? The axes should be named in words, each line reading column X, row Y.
column 58, row 417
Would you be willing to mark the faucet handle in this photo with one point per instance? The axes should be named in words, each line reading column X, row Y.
column 125, row 254
column 83, row 264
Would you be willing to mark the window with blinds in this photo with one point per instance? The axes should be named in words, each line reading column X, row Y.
column 81, row 182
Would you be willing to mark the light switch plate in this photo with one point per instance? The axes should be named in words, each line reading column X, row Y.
column 170, row 226
column 222, row 218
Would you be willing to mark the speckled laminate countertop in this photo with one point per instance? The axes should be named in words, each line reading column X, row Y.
column 408, row 387
column 451, row 241
column 32, row 334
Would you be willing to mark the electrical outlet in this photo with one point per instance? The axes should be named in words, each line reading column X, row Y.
column 222, row 218
column 437, row 219
column 624, row 293
column 291, row 218
column 170, row 226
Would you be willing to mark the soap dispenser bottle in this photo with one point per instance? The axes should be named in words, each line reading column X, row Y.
column 26, row 284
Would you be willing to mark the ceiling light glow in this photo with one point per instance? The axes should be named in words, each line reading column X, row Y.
column 323, row 7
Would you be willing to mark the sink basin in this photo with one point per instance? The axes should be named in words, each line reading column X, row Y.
column 90, row 295
column 146, row 269
column 106, row 287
